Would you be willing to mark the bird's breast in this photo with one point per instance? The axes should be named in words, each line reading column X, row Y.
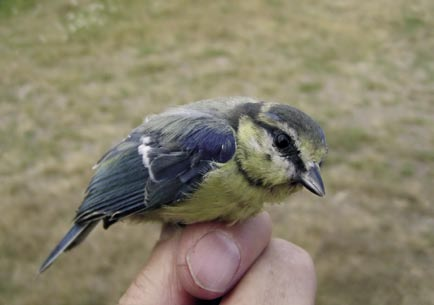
column 225, row 194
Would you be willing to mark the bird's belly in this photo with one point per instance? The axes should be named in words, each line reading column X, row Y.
column 225, row 195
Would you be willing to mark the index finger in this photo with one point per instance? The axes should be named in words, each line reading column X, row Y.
column 283, row 275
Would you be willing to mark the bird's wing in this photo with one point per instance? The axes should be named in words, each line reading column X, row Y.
column 159, row 163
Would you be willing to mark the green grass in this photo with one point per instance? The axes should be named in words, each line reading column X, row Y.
column 78, row 75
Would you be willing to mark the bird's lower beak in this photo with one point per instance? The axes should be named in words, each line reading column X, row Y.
column 312, row 180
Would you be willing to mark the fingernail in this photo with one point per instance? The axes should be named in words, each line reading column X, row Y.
column 213, row 261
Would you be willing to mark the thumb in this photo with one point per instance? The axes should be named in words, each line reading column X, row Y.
column 212, row 257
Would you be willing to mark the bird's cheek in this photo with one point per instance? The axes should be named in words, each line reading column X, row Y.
column 279, row 170
column 291, row 173
column 275, row 175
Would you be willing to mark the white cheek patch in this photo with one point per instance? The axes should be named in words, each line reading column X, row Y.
column 290, row 170
column 144, row 150
column 283, row 164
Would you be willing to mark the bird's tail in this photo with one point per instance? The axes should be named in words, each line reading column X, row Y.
column 75, row 236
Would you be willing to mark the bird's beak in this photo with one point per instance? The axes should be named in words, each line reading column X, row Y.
column 312, row 180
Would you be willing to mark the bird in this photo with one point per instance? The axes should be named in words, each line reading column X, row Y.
column 216, row 159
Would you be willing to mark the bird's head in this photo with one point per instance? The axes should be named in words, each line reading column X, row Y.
column 281, row 145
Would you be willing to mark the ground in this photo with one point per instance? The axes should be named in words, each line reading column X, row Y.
column 76, row 76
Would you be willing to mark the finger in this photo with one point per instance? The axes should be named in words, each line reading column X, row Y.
column 214, row 256
column 157, row 283
column 284, row 274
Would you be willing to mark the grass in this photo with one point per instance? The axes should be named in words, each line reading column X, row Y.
column 78, row 75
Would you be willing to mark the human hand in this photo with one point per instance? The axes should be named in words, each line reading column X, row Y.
column 240, row 263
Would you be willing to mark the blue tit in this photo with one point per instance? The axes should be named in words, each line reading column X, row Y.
column 217, row 159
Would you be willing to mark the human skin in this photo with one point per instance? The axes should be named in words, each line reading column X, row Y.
column 241, row 264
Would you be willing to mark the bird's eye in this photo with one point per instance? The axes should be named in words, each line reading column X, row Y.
column 282, row 141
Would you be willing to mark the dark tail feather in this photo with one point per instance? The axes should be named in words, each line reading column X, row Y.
column 82, row 235
column 74, row 237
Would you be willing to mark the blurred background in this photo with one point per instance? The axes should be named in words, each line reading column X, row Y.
column 76, row 76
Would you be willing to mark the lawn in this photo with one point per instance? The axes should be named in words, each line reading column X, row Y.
column 76, row 76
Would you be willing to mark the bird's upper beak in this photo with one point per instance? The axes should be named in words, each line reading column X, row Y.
column 311, row 179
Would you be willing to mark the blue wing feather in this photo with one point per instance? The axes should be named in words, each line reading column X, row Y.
column 169, row 165
column 212, row 143
column 177, row 163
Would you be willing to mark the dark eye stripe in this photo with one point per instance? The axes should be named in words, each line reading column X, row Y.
column 291, row 152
